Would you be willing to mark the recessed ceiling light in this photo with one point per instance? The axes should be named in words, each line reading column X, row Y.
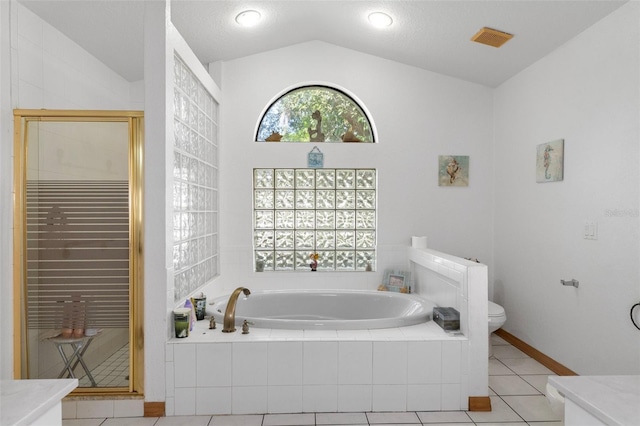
column 248, row 18
column 380, row 19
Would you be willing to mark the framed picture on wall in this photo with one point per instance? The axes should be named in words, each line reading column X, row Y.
column 453, row 170
column 550, row 161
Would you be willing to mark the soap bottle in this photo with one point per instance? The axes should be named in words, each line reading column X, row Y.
column 192, row 317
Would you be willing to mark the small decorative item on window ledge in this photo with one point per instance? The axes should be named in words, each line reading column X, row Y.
column 274, row 137
column 315, row 159
column 396, row 280
column 314, row 261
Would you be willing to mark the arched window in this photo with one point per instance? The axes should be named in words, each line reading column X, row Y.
column 315, row 114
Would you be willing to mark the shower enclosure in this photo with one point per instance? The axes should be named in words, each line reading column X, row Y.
column 76, row 247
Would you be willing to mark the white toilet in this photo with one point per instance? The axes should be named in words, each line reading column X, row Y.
column 556, row 401
column 497, row 318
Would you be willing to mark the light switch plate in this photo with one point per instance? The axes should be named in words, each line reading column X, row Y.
column 590, row 230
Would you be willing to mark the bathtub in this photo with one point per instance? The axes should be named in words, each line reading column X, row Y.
column 327, row 309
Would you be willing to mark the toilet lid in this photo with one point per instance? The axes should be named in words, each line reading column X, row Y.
column 495, row 310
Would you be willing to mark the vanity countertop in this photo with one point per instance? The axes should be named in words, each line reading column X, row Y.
column 23, row 401
column 614, row 400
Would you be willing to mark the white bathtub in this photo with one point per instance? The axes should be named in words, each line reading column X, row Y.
column 327, row 309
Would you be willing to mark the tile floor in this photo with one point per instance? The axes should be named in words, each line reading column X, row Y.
column 113, row 372
column 516, row 388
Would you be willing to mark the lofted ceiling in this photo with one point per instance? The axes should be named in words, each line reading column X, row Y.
column 429, row 34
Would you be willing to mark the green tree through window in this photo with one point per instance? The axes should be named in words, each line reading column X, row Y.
column 315, row 114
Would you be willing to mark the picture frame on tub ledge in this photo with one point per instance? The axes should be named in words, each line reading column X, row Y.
column 396, row 280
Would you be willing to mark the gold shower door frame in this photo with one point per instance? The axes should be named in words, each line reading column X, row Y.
column 136, row 136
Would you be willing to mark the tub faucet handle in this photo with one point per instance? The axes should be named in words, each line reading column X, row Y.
column 245, row 327
column 212, row 323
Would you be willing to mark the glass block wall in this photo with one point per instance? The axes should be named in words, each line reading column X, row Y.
column 195, row 183
column 302, row 212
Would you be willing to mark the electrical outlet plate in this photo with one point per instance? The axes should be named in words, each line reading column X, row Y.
column 590, row 230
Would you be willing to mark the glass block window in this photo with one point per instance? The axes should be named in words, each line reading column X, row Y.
column 315, row 114
column 195, row 183
column 301, row 212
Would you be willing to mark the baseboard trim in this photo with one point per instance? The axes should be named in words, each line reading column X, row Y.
column 479, row 403
column 543, row 359
column 154, row 409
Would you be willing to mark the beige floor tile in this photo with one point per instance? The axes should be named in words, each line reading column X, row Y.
column 506, row 424
column 130, row 421
column 82, row 422
column 289, row 419
column 507, row 352
column 395, row 424
column 497, row 340
column 447, row 424
column 393, row 418
column 447, row 417
column 524, row 366
column 532, row 408
column 538, row 381
column 183, row 421
column 341, row 419
column 497, row 368
column 237, row 420
column 511, row 385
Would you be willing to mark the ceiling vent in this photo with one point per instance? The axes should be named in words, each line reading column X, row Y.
column 491, row 37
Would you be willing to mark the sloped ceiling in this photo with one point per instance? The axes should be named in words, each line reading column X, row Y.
column 429, row 34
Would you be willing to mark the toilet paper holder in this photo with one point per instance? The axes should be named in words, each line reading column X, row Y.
column 574, row 283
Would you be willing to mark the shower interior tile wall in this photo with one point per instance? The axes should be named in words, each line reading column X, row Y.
column 54, row 72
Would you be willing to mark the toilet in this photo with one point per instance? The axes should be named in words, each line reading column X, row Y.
column 497, row 318
column 556, row 401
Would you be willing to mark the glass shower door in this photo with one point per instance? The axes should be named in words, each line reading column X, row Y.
column 77, row 284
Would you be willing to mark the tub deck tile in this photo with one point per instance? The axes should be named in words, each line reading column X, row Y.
column 420, row 332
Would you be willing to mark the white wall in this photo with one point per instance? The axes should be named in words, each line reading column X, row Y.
column 41, row 68
column 54, row 72
column 418, row 114
column 586, row 93
column 157, row 151
column 162, row 42
column 6, row 272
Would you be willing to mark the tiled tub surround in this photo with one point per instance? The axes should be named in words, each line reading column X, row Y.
column 415, row 368
column 291, row 371
column 452, row 281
